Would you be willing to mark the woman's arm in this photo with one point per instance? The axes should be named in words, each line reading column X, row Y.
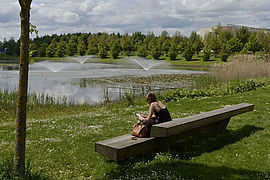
column 150, row 112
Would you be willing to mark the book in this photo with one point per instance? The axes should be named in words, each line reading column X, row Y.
column 139, row 115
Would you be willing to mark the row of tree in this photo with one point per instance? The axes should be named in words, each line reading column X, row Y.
column 220, row 42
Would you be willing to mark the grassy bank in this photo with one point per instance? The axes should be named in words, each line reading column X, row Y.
column 61, row 142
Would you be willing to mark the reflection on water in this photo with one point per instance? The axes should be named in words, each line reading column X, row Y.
column 78, row 82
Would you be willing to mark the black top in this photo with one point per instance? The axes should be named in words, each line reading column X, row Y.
column 163, row 115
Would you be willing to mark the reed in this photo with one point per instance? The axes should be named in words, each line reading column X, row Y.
column 242, row 67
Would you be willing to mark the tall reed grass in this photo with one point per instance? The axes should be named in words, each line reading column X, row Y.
column 242, row 67
column 8, row 102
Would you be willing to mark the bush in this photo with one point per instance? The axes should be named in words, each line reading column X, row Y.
column 224, row 57
column 232, row 87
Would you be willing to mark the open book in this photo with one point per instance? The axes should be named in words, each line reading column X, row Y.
column 139, row 115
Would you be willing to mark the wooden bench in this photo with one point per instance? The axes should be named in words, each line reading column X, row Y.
column 121, row 147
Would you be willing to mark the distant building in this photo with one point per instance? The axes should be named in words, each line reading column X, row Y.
column 230, row 27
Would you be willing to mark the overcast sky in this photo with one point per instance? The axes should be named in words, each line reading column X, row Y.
column 128, row 16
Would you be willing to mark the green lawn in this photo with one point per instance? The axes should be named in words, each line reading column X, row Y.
column 60, row 141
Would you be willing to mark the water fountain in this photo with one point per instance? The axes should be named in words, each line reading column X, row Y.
column 82, row 59
column 52, row 66
column 146, row 64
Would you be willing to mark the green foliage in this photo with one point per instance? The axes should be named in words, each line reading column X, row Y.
column 42, row 49
column 215, row 43
column 71, row 47
column 126, row 44
column 253, row 44
column 92, row 48
column 234, row 45
column 61, row 49
column 166, row 47
column 224, row 56
column 243, row 35
column 142, row 51
column 10, row 46
column 155, row 51
column 188, row 52
column 206, row 54
column 115, row 51
column 81, row 48
column 224, row 53
column 103, row 51
column 233, row 87
column 225, row 36
column 130, row 98
column 196, row 42
column 172, row 52
column 51, row 49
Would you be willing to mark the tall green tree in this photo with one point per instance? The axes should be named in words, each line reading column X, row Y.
column 52, row 48
column 264, row 39
column 71, row 47
column 141, row 51
column 243, row 35
column 81, row 48
column 61, row 49
column 155, row 50
column 188, row 52
column 42, row 49
column 234, row 45
column 115, row 50
column 20, row 138
column 102, row 50
column 253, row 44
column 165, row 47
column 126, row 44
column 172, row 52
column 92, row 46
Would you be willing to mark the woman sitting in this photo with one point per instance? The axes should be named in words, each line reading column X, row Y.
column 158, row 113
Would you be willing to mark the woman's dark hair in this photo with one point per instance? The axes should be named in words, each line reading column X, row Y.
column 151, row 96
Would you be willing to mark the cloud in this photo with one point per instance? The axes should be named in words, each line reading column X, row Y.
column 70, row 16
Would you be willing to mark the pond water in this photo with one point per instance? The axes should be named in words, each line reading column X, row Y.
column 81, row 82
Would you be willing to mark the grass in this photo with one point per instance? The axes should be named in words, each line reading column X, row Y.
column 61, row 143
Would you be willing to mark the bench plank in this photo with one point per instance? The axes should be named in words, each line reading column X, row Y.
column 122, row 147
column 177, row 126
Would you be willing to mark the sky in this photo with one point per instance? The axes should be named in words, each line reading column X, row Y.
column 129, row 16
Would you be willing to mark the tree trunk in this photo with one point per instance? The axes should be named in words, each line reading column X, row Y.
column 19, row 156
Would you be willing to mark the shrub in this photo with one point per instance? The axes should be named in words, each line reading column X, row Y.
column 224, row 56
column 232, row 87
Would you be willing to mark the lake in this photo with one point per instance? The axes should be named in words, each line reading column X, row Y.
column 82, row 83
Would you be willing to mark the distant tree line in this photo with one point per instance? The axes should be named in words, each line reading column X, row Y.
column 220, row 43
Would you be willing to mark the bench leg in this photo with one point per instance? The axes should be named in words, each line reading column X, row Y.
column 222, row 125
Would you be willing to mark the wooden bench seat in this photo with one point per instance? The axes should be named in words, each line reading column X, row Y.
column 219, row 118
column 121, row 147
